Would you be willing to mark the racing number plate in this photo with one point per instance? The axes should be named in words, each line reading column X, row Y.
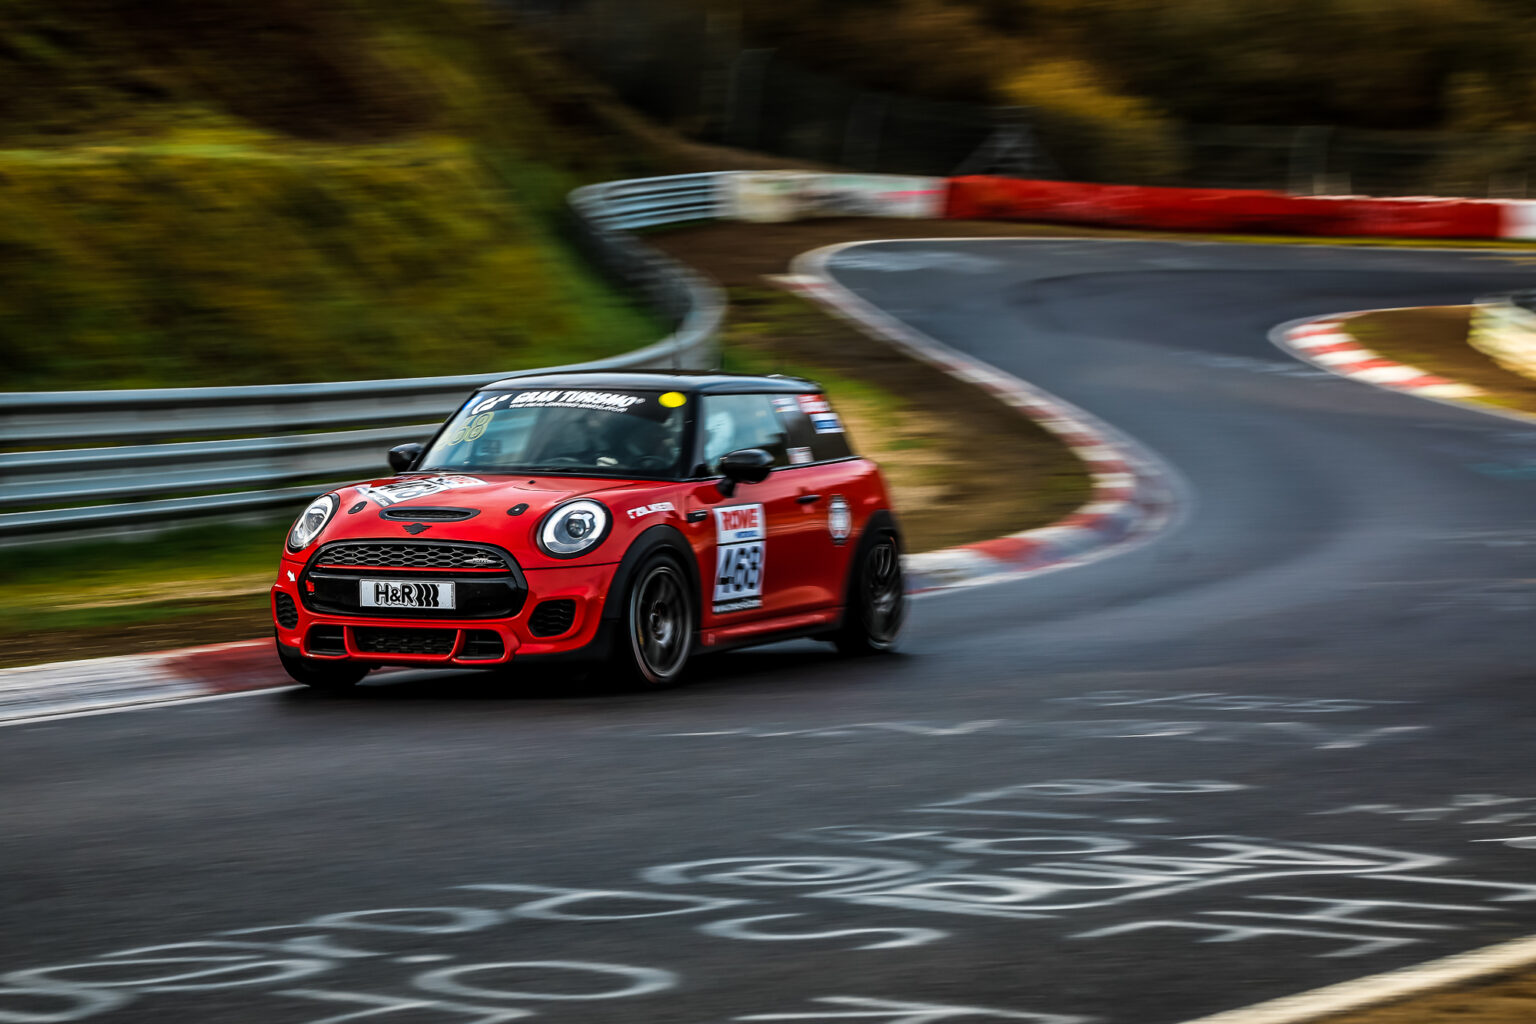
column 740, row 538
column 404, row 594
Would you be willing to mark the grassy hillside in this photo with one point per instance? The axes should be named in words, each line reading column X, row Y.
column 234, row 193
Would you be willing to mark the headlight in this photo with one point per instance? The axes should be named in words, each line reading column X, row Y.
column 574, row 528
column 312, row 521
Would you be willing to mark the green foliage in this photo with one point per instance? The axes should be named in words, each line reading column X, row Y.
column 230, row 193
column 186, row 265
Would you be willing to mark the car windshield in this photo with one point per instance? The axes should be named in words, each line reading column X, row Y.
column 570, row 431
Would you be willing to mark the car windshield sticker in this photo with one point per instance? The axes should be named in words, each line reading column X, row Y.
column 839, row 519
column 800, row 457
column 783, row 403
column 673, row 399
column 471, row 429
column 740, row 535
column 811, row 404
column 597, row 401
column 826, row 423
column 405, row 490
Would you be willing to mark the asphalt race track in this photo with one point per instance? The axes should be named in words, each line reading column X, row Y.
column 1287, row 743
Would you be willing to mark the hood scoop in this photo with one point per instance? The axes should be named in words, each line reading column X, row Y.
column 427, row 514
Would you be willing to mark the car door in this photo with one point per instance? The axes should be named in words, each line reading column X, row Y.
column 831, row 490
column 761, row 541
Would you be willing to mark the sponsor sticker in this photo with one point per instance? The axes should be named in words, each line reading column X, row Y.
column 390, row 494
column 839, row 519
column 800, row 457
column 783, row 403
column 673, row 399
column 655, row 506
column 740, row 536
column 826, row 423
column 397, row 594
column 470, row 430
column 598, row 401
column 812, row 404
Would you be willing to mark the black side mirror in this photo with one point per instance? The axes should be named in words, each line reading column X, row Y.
column 743, row 466
column 403, row 456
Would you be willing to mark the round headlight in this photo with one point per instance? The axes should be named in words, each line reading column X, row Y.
column 312, row 521
column 574, row 528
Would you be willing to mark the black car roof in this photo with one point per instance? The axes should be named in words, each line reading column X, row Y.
column 692, row 381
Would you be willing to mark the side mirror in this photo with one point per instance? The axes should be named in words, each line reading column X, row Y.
column 403, row 456
column 743, row 466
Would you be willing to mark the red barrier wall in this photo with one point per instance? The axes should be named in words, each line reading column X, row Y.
column 1228, row 210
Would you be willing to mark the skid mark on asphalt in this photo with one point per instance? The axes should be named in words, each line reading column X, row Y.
column 1302, row 734
column 888, row 889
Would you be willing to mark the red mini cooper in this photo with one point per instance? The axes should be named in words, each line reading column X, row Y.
column 633, row 518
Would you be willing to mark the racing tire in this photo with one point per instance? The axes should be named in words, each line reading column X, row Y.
column 321, row 675
column 658, row 624
column 877, row 599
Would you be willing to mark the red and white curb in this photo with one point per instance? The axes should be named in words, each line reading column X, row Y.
column 1135, row 495
column 1326, row 343
column 65, row 688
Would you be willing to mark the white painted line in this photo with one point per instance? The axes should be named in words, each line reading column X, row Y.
column 1450, row 390
column 1342, row 358
column 142, row 706
column 1389, row 374
column 1320, row 340
column 1393, row 986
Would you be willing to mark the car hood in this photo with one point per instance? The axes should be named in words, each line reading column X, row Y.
column 381, row 508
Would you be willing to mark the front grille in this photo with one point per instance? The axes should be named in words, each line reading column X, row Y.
column 393, row 640
column 551, row 618
column 326, row 640
column 284, row 611
column 409, row 556
column 487, row 582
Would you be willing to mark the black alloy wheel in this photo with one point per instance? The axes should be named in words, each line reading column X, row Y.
column 659, row 620
column 877, row 599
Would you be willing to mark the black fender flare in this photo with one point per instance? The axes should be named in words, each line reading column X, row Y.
column 661, row 537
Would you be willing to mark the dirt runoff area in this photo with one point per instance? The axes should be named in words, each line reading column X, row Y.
column 1511, row 1000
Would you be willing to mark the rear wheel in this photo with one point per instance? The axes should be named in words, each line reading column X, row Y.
column 321, row 675
column 877, row 599
column 658, row 620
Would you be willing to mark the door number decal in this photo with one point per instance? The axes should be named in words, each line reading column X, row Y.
column 740, row 540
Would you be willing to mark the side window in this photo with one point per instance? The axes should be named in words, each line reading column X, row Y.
column 816, row 432
column 732, row 422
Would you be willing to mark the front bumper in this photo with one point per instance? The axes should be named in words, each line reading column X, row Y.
column 443, row 640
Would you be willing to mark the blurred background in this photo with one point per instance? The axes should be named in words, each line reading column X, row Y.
column 246, row 196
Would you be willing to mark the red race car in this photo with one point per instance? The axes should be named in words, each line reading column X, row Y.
column 632, row 518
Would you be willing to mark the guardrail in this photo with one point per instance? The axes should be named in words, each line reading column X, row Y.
column 166, row 455
column 1504, row 329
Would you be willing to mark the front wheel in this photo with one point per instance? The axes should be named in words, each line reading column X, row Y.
column 321, row 675
column 658, row 620
column 877, row 599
